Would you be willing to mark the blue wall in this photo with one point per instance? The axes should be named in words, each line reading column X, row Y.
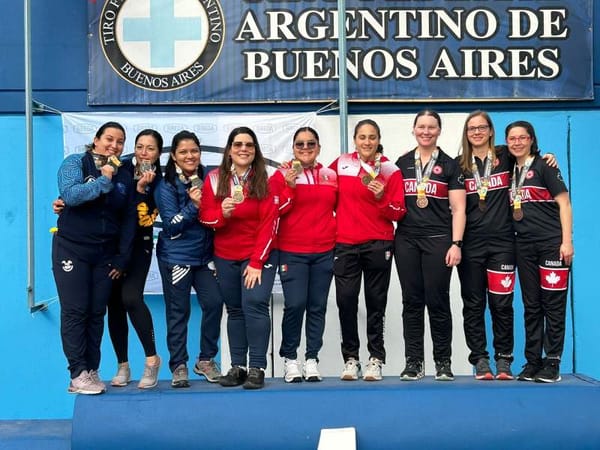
column 33, row 378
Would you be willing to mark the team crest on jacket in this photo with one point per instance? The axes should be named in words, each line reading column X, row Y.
column 529, row 175
column 437, row 170
column 67, row 265
column 161, row 45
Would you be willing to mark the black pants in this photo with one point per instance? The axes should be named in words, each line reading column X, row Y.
column 544, row 283
column 127, row 299
column 487, row 277
column 374, row 260
column 83, row 287
column 425, row 281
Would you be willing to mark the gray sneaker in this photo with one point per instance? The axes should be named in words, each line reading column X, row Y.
column 150, row 377
column 503, row 371
column 482, row 370
column 84, row 384
column 180, row 377
column 123, row 376
column 209, row 370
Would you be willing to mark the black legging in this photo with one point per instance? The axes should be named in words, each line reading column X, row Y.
column 127, row 298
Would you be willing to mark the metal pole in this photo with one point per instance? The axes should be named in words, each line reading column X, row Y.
column 343, row 97
column 29, row 165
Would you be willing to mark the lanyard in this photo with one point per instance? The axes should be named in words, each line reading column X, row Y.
column 516, row 188
column 482, row 183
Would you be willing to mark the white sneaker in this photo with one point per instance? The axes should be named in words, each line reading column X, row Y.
column 84, row 384
column 373, row 370
column 351, row 370
column 311, row 370
column 291, row 371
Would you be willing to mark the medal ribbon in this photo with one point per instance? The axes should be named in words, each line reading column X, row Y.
column 237, row 181
column 423, row 177
column 482, row 183
column 515, row 186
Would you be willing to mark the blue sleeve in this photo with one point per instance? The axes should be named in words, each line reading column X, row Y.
column 175, row 219
column 72, row 187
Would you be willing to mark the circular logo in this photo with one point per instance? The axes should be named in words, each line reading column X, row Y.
column 162, row 45
column 437, row 169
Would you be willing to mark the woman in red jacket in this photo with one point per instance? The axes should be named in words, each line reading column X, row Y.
column 370, row 200
column 306, row 238
column 238, row 204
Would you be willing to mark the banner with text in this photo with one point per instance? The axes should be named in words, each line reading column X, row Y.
column 232, row 51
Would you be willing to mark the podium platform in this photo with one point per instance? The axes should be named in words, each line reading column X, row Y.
column 390, row 414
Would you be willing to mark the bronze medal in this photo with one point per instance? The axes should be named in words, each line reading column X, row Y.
column 366, row 179
column 482, row 204
column 422, row 202
column 238, row 194
column 518, row 214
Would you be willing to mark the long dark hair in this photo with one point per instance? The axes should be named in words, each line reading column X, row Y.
column 170, row 168
column 257, row 180
column 530, row 131
column 102, row 129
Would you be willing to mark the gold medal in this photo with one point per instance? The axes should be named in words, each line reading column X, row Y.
column 238, row 194
column 422, row 202
column 366, row 179
column 297, row 166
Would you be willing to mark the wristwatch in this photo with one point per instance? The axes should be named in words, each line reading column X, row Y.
column 457, row 243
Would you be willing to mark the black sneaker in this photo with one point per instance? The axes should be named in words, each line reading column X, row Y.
column 236, row 376
column 482, row 370
column 550, row 373
column 256, row 379
column 529, row 371
column 443, row 372
column 413, row 371
column 503, row 371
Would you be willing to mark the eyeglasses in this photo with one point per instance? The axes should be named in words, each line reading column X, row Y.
column 238, row 144
column 513, row 139
column 480, row 129
column 307, row 144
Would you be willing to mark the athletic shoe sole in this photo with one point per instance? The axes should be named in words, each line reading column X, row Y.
column 486, row 376
column 444, row 377
column 372, row 378
column 313, row 378
column 504, row 377
column 548, row 380
column 73, row 390
column 349, row 377
column 411, row 378
column 297, row 379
